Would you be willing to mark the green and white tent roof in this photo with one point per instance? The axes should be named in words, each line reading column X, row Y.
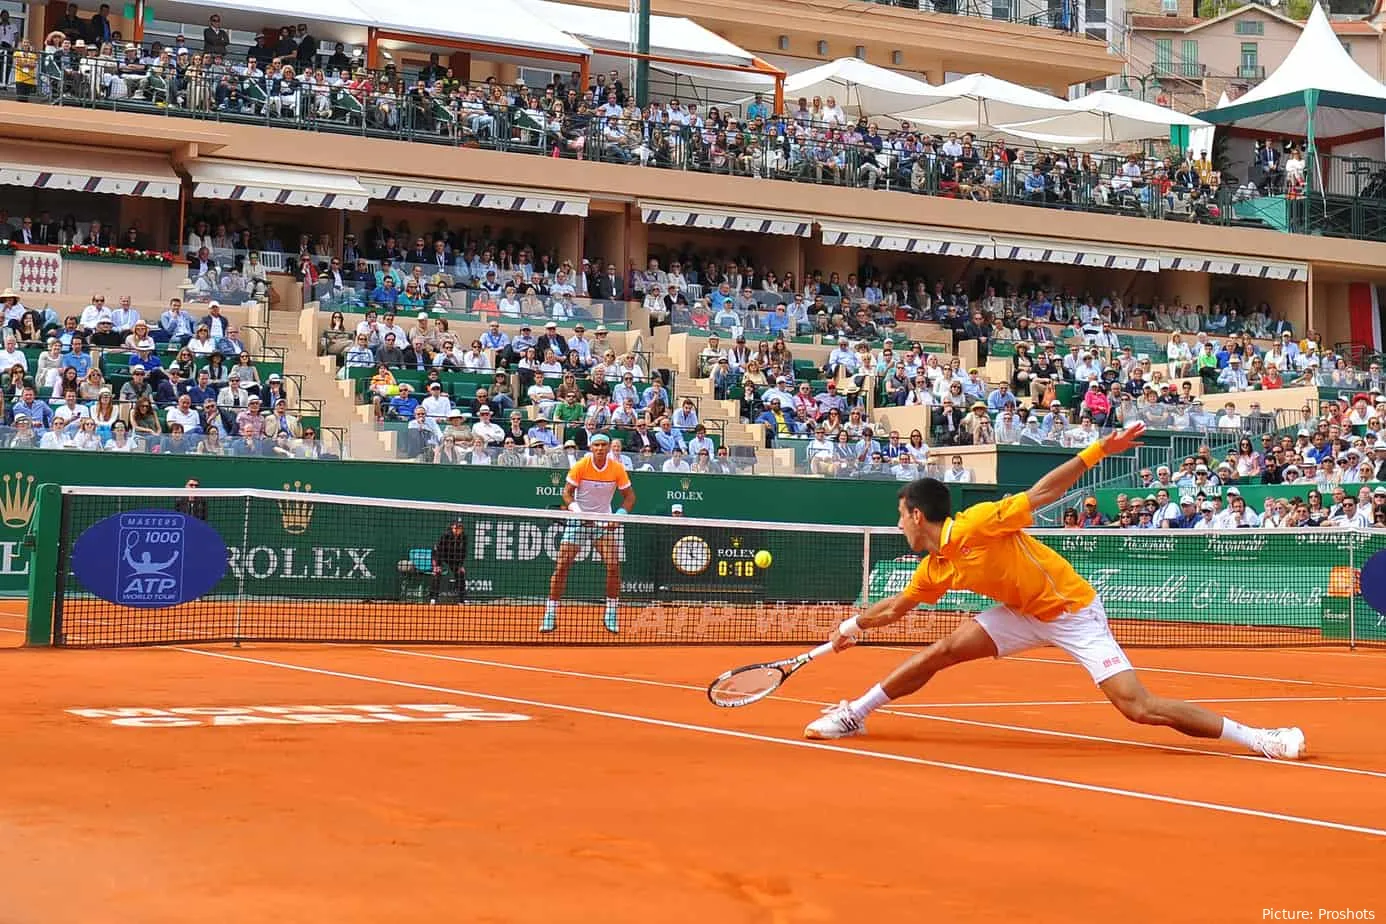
column 1317, row 75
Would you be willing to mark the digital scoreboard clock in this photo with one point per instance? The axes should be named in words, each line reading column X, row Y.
column 712, row 565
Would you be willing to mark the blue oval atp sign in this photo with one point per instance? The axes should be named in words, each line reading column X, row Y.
column 149, row 558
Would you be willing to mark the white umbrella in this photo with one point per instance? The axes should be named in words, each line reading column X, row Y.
column 1104, row 117
column 860, row 88
column 978, row 102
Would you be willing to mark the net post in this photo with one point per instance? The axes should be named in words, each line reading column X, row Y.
column 240, row 578
column 43, row 541
column 1353, row 591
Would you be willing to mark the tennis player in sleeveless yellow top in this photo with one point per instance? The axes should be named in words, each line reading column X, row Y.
column 1041, row 601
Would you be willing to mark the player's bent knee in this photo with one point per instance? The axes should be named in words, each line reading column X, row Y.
column 1140, row 709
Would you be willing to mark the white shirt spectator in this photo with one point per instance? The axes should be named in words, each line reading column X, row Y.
column 189, row 418
column 437, row 406
column 12, row 356
column 93, row 315
column 1357, row 520
column 490, row 432
column 957, row 475
column 476, row 361
column 66, row 413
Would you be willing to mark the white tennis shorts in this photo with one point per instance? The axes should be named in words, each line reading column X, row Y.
column 587, row 533
column 1083, row 633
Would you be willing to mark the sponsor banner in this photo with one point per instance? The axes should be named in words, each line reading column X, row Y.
column 1242, row 577
column 292, row 548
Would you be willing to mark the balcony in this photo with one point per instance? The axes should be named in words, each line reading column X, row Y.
column 1252, row 72
column 1049, row 16
column 1180, row 70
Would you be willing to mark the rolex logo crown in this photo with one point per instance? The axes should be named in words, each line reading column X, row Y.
column 555, row 478
column 296, row 515
column 684, row 483
column 18, row 497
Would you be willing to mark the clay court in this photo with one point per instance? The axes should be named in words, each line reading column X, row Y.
column 379, row 783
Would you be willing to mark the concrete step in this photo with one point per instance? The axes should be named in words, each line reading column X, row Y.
column 371, row 444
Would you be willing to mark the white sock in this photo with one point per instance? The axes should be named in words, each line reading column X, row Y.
column 551, row 608
column 611, row 604
column 1244, row 735
column 868, row 702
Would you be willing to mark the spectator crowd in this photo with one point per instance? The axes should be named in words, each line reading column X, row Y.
column 106, row 379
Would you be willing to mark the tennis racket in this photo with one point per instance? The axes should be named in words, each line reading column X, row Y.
column 745, row 685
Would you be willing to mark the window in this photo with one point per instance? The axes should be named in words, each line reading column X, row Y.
column 1250, row 68
column 1164, row 56
column 1251, row 27
column 1188, row 59
column 1169, row 7
column 1001, row 10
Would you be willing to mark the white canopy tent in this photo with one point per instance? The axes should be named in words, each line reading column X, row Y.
column 860, row 88
column 1104, row 118
column 1317, row 92
column 670, row 36
column 979, row 102
column 681, row 41
column 496, row 22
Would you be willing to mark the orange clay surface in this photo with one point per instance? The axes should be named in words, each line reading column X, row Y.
column 1004, row 792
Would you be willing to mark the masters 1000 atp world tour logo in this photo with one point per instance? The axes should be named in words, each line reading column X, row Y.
column 150, row 569
column 149, row 558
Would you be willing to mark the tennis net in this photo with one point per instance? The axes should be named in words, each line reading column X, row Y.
column 139, row 566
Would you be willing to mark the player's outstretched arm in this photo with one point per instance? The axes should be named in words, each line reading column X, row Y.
column 1058, row 482
column 880, row 613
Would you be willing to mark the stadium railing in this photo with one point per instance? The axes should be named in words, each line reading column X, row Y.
column 747, row 150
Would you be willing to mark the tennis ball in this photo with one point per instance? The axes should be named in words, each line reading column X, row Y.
column 763, row 559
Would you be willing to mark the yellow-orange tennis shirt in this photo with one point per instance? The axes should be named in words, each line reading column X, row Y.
column 986, row 550
column 595, row 488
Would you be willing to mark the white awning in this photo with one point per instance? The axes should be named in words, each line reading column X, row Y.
column 670, row 36
column 944, row 242
column 679, row 215
column 115, row 173
column 1226, row 265
column 501, row 23
column 246, row 182
column 1076, row 253
column 948, row 242
column 506, row 199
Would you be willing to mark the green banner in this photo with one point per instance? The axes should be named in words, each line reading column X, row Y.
column 290, row 549
column 1254, row 494
column 734, row 497
column 1240, row 578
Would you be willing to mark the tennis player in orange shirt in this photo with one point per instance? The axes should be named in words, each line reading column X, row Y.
column 1042, row 601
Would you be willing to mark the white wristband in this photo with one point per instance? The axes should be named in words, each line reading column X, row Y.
column 849, row 627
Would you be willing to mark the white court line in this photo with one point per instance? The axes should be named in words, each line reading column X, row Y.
column 1163, row 670
column 8, row 629
column 1106, row 702
column 811, row 745
column 951, row 720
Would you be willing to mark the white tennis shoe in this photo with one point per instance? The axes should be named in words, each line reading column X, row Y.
column 836, row 722
column 1281, row 743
